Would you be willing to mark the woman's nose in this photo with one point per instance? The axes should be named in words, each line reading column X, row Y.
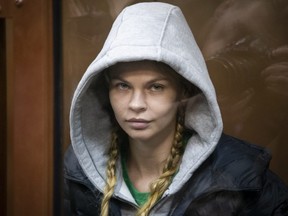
column 138, row 101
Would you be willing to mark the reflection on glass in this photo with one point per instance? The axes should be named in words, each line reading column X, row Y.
column 247, row 54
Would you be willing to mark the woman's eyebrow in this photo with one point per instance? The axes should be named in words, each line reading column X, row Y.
column 118, row 79
column 159, row 79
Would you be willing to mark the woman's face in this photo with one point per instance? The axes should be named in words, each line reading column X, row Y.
column 144, row 100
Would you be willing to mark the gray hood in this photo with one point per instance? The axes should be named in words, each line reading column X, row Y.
column 145, row 31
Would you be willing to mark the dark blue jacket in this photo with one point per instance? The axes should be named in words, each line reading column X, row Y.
column 234, row 180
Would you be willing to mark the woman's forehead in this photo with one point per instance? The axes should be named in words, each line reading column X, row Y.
column 141, row 66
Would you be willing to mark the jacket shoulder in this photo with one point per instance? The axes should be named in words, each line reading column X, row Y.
column 249, row 165
column 240, row 161
column 228, row 145
column 235, row 178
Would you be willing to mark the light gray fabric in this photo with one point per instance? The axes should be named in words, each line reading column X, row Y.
column 145, row 31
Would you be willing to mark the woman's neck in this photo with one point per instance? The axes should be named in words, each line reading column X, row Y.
column 146, row 160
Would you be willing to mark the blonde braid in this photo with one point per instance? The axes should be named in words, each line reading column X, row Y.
column 159, row 186
column 111, row 175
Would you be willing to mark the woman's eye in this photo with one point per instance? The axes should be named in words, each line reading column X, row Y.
column 157, row 87
column 122, row 86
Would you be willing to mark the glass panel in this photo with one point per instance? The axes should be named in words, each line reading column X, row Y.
column 85, row 26
column 244, row 42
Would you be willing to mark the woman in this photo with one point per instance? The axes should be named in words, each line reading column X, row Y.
column 146, row 131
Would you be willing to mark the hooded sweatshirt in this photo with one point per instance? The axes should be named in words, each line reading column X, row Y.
column 145, row 31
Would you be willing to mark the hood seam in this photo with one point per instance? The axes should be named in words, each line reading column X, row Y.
column 165, row 25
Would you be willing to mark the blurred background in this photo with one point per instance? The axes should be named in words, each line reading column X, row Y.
column 46, row 46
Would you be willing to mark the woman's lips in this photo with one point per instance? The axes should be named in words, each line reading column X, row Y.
column 138, row 124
